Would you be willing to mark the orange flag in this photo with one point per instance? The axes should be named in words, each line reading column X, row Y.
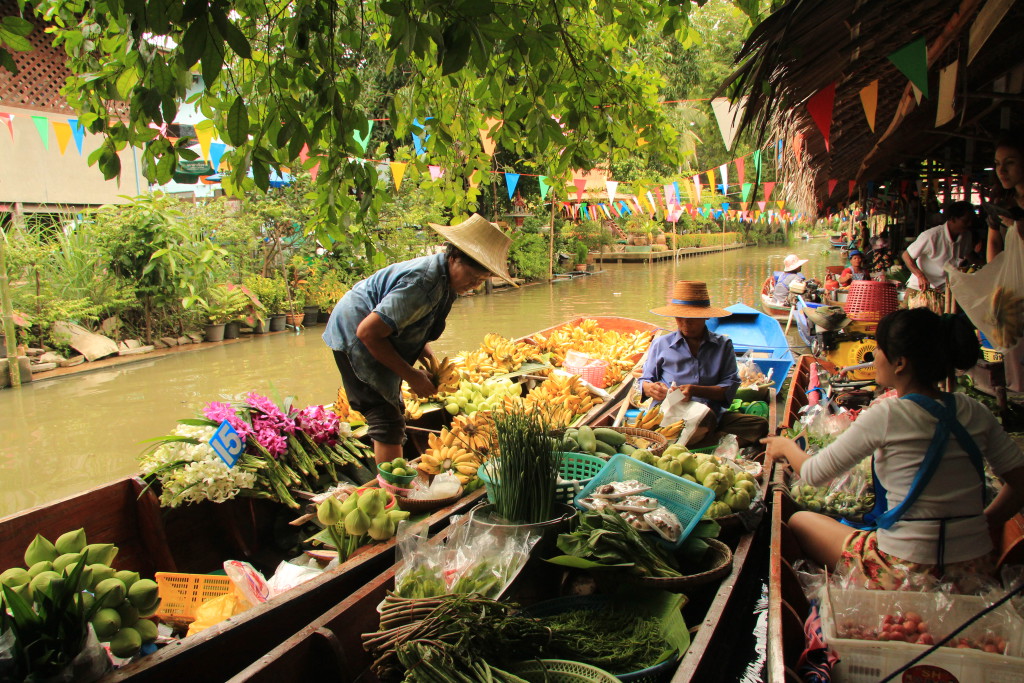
column 869, row 100
column 485, row 135
column 62, row 131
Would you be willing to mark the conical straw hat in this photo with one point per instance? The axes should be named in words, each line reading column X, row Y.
column 690, row 299
column 482, row 241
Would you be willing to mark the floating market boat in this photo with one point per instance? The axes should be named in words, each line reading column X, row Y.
column 768, row 302
column 758, row 334
column 837, row 241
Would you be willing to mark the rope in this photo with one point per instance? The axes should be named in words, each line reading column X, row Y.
column 956, row 631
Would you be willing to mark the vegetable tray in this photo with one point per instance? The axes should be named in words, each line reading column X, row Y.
column 686, row 499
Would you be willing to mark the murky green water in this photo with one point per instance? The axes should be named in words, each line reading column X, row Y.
column 61, row 436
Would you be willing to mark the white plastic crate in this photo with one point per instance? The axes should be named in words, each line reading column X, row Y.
column 867, row 661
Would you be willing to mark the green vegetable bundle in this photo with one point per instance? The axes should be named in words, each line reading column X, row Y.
column 606, row 539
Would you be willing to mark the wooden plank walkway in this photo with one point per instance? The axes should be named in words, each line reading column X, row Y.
column 650, row 256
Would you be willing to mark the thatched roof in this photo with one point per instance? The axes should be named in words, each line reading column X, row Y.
column 808, row 44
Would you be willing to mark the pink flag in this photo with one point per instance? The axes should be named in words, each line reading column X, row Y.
column 581, row 184
column 669, row 197
column 435, row 171
column 304, row 153
column 9, row 120
column 761, row 205
column 315, row 171
column 739, row 170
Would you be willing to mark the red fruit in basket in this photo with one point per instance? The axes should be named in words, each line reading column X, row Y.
column 963, row 644
column 1001, row 644
column 912, row 616
column 922, row 627
column 898, row 630
column 885, row 635
column 910, row 627
column 925, row 639
column 888, row 619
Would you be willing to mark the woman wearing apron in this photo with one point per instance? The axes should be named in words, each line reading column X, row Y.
column 928, row 450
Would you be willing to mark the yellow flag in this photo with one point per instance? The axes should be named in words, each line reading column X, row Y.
column 62, row 131
column 398, row 172
column 204, row 135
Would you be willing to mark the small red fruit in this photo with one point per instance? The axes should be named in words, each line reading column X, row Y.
column 925, row 639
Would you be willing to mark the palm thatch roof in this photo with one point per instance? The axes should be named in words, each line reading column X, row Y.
column 808, row 44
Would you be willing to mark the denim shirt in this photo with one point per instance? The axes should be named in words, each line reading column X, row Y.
column 669, row 360
column 781, row 290
column 412, row 297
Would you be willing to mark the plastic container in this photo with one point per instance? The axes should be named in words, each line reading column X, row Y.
column 560, row 671
column 563, row 521
column 401, row 482
column 182, row 594
column 687, row 500
column 594, row 372
column 864, row 661
column 871, row 301
column 577, row 469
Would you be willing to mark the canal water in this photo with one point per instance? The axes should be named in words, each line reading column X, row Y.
column 65, row 435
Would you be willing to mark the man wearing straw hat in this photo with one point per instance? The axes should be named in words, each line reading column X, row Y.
column 384, row 324
column 700, row 363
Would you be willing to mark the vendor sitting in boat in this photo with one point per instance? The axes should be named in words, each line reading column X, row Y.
column 700, row 364
column 791, row 280
column 928, row 450
column 856, row 271
column 385, row 323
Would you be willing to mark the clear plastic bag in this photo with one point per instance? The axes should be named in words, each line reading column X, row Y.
column 287, row 576
column 420, row 571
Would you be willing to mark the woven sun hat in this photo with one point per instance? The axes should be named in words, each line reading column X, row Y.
column 828, row 317
column 690, row 299
column 792, row 262
column 482, row 241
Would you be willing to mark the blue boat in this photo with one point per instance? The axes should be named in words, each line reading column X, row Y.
column 761, row 335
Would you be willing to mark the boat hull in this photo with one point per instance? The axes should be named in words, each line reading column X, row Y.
column 768, row 303
column 758, row 334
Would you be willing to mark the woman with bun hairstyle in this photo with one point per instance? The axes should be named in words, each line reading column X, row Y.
column 1008, row 193
column 928, row 451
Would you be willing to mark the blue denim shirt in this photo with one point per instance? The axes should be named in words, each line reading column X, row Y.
column 781, row 290
column 669, row 360
column 412, row 297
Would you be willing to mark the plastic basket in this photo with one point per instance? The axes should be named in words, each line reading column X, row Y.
column 560, row 671
column 182, row 594
column 864, row 661
column 987, row 352
column 593, row 373
column 687, row 500
column 871, row 301
column 576, row 469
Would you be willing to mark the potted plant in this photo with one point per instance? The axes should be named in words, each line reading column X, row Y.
column 222, row 304
column 640, row 227
column 271, row 293
column 581, row 256
column 293, row 310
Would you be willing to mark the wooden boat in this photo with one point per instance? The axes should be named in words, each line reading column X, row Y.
column 761, row 335
column 801, row 383
column 768, row 303
column 837, row 241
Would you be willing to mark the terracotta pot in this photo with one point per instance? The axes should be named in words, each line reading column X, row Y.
column 214, row 333
column 294, row 319
column 581, row 267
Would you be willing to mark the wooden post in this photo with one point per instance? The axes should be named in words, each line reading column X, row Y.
column 551, row 241
column 7, row 306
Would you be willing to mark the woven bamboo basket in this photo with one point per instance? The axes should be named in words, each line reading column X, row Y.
column 718, row 561
column 658, row 442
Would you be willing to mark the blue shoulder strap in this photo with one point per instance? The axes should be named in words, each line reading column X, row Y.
column 947, row 424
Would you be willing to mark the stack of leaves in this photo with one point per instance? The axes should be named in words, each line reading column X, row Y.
column 605, row 540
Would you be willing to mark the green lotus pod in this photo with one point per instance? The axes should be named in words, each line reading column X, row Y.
column 147, row 630
column 398, row 515
column 64, row 560
column 129, row 613
column 41, row 582
column 84, row 579
column 379, row 528
column 71, row 542
column 357, row 522
column 24, row 592
column 126, row 642
column 103, row 553
column 86, row 600
column 329, row 512
column 143, row 593
column 151, row 610
column 349, row 504
column 39, row 567
column 15, row 576
column 110, row 592
column 370, row 503
column 127, row 577
column 106, row 623
column 39, row 550
column 100, row 572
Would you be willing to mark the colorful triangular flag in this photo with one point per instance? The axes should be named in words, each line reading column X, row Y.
column 78, row 133
column 62, row 131
column 798, row 146
column 740, row 170
column 745, row 191
column 944, row 111
column 204, row 135
column 9, row 120
column 832, row 185
column 217, row 150
column 398, row 172
column 696, row 188
column 819, row 106
column 363, row 139
column 853, row 187
column 611, row 186
column 728, row 116
column 485, row 135
column 419, row 140
column 43, row 128
column 768, row 187
column 581, row 184
column 544, row 187
column 435, row 171
column 912, row 61
column 724, row 171
column 869, row 100
column 511, row 180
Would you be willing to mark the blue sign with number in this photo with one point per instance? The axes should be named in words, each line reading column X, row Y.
column 226, row 443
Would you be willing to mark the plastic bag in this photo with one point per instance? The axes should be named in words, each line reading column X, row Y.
column 444, row 485
column 728, row 447
column 287, row 576
column 248, row 581
column 697, row 418
column 976, row 293
column 420, row 571
column 217, row 610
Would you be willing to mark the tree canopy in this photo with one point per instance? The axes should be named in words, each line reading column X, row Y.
column 567, row 80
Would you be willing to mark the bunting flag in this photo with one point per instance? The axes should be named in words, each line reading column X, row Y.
column 9, row 120
column 638, row 207
column 217, row 150
column 303, row 154
column 869, row 100
column 819, row 106
column 778, row 151
column 725, row 206
column 436, row 171
column 419, row 141
column 43, row 128
column 724, row 171
column 781, row 204
column 62, row 131
column 798, row 146
column 606, row 212
column 675, row 187
column 757, row 165
column 511, row 180
column 768, row 187
column 711, row 180
column 745, row 192
column 696, row 188
column 728, row 116
column 917, row 93
column 944, row 111
column 832, row 182
column 650, row 198
column 624, row 208
column 611, row 186
column 77, row 133
column 740, row 170
column 486, row 140
column 315, row 171
column 581, row 184
column 761, row 205
column 363, row 140
column 398, row 172
column 853, row 187
column 667, row 189
column 912, row 61
column 544, row 187
column 204, row 135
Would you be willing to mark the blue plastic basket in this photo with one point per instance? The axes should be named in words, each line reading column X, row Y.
column 687, row 500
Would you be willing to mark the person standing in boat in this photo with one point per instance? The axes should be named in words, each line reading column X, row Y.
column 700, row 363
column 384, row 324
column 856, row 271
column 791, row 280
column 929, row 449
column 927, row 257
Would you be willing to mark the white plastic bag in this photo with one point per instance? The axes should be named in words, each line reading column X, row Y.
column 697, row 418
column 288, row 575
column 974, row 291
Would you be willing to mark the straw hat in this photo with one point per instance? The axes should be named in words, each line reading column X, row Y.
column 689, row 299
column 482, row 241
column 792, row 262
column 828, row 317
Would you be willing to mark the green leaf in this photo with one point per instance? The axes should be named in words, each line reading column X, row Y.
column 583, row 563
column 475, row 8
column 213, row 60
column 16, row 24
column 194, row 42
column 14, row 40
column 7, row 61
column 238, row 123
column 24, row 616
column 238, row 42
column 261, row 174
column 164, row 172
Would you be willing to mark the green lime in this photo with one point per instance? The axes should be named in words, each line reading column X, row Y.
column 385, row 466
column 399, row 472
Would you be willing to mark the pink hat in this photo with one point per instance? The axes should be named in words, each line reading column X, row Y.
column 792, row 262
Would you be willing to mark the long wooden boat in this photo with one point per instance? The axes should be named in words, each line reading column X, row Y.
column 197, row 539
column 761, row 335
column 799, row 385
column 768, row 303
column 837, row 241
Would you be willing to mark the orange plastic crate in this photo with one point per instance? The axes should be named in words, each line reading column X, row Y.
column 182, row 594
